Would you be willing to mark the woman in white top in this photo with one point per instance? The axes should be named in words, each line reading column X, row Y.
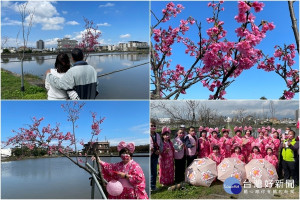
column 62, row 65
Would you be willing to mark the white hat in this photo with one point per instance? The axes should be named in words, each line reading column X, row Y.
column 182, row 126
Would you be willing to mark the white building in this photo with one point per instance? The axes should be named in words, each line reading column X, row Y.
column 66, row 44
column 164, row 120
column 123, row 46
column 5, row 152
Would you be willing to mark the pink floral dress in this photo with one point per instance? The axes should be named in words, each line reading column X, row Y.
column 214, row 142
column 254, row 156
column 136, row 187
column 217, row 158
column 226, row 147
column 166, row 164
column 276, row 143
column 204, row 147
column 247, row 148
column 239, row 156
column 260, row 144
column 272, row 159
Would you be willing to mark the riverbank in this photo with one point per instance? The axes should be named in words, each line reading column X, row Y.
column 11, row 84
column 16, row 55
column 14, row 158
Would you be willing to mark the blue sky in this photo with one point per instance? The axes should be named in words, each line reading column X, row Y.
column 125, row 120
column 253, row 83
column 118, row 21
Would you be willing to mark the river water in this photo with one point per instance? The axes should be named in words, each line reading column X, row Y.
column 128, row 84
column 52, row 178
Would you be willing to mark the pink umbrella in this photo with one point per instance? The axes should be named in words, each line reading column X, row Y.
column 232, row 167
column 261, row 173
column 202, row 172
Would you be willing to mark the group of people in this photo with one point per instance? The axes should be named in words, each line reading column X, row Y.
column 174, row 155
column 77, row 82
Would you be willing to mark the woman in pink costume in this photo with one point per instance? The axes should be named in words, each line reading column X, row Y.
column 166, row 159
column 248, row 140
column 128, row 172
column 214, row 140
column 276, row 141
column 216, row 155
column 271, row 157
column 226, row 143
column 259, row 142
column 238, row 154
column 266, row 135
column 255, row 154
column 237, row 140
column 203, row 145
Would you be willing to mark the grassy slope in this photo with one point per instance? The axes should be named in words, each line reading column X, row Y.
column 11, row 84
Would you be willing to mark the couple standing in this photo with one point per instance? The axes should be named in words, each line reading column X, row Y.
column 78, row 82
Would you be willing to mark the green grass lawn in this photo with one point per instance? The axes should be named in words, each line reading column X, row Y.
column 11, row 84
column 216, row 191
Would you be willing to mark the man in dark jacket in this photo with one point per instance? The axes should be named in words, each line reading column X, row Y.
column 82, row 77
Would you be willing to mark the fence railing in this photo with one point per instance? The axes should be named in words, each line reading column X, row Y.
column 95, row 181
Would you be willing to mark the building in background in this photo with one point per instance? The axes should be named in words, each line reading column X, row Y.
column 101, row 147
column 40, row 44
column 66, row 44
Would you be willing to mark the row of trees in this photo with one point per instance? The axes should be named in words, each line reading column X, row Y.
column 193, row 113
column 217, row 60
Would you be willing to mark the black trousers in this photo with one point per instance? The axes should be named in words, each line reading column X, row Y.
column 180, row 169
column 190, row 159
column 289, row 169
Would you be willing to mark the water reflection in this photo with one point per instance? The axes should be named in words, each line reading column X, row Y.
column 129, row 84
column 51, row 178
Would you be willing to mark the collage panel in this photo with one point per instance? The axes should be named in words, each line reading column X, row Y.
column 224, row 50
column 55, row 149
column 75, row 50
column 113, row 64
column 241, row 149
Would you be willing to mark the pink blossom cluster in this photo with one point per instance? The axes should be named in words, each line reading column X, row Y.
column 222, row 60
column 281, row 63
column 171, row 10
column 96, row 124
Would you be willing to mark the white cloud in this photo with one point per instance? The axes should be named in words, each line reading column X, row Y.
column 10, row 22
column 45, row 14
column 104, row 24
column 72, row 23
column 64, row 12
column 125, row 36
column 106, row 5
column 68, row 36
column 51, row 42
